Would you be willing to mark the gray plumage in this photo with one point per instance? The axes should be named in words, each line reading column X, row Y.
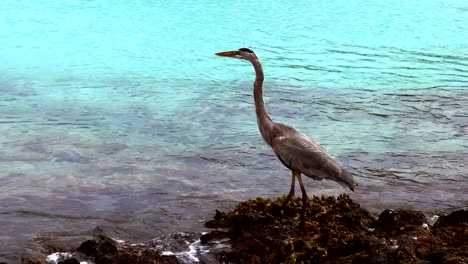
column 299, row 153
column 295, row 150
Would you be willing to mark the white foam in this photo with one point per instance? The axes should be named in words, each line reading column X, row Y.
column 55, row 257
column 190, row 256
column 118, row 240
column 193, row 250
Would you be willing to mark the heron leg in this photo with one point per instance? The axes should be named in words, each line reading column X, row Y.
column 304, row 199
column 291, row 192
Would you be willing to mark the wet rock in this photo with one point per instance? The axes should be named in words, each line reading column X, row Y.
column 400, row 220
column 336, row 230
column 99, row 249
column 213, row 235
column 457, row 218
column 452, row 229
column 105, row 251
column 69, row 261
column 88, row 247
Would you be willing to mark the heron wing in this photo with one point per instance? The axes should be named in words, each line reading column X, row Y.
column 297, row 152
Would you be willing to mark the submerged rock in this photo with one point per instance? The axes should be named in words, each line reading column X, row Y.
column 336, row 230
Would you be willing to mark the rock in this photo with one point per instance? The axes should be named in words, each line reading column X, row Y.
column 88, row 247
column 336, row 230
column 457, row 218
column 397, row 221
column 213, row 235
column 105, row 251
column 69, row 261
column 452, row 230
column 259, row 230
column 102, row 251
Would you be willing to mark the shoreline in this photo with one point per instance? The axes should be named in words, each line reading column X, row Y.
column 337, row 230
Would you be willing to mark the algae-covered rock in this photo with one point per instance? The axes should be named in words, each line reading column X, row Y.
column 336, row 230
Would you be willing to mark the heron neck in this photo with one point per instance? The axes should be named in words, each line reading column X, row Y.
column 265, row 124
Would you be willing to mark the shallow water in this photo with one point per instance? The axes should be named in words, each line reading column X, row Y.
column 119, row 115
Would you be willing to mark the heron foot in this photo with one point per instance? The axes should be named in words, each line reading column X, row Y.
column 290, row 195
column 304, row 206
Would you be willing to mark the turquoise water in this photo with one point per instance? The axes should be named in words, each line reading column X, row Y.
column 118, row 114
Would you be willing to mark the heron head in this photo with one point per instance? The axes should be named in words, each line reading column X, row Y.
column 242, row 53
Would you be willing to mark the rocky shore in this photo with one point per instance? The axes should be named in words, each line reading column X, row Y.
column 337, row 230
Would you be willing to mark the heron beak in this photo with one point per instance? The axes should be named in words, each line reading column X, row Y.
column 229, row 54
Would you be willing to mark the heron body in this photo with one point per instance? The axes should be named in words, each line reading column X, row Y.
column 295, row 150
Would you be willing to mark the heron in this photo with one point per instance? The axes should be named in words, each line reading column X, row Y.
column 296, row 151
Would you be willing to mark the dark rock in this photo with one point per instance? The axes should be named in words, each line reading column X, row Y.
column 105, row 246
column 452, row 230
column 336, row 230
column 69, row 261
column 88, row 247
column 398, row 220
column 105, row 251
column 457, row 218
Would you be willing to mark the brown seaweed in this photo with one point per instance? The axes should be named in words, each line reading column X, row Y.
column 337, row 230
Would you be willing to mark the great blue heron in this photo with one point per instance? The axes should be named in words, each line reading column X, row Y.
column 295, row 150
